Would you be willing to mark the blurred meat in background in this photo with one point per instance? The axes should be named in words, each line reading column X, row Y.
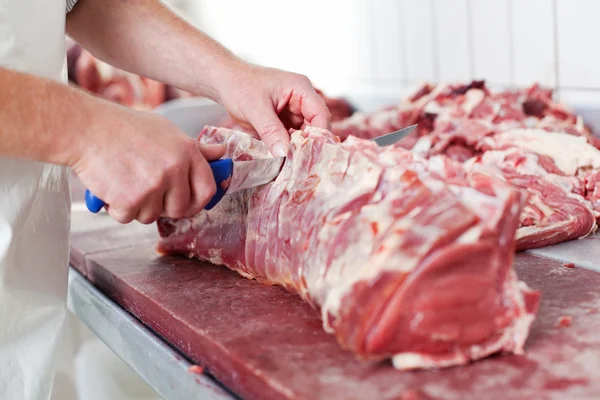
column 116, row 85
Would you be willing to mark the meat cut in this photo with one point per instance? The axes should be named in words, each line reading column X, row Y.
column 556, row 170
column 530, row 140
column 443, row 110
column 407, row 258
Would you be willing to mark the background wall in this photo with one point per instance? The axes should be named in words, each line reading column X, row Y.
column 385, row 46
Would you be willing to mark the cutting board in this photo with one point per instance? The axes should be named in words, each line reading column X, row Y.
column 265, row 343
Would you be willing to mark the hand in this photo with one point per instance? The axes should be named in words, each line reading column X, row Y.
column 144, row 167
column 270, row 102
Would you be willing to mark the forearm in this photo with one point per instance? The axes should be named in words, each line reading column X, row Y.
column 44, row 120
column 146, row 38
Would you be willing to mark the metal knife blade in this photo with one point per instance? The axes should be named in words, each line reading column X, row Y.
column 231, row 177
column 247, row 174
column 394, row 137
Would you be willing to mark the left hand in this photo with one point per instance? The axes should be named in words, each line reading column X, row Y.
column 269, row 102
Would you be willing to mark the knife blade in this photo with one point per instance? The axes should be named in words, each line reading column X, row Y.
column 235, row 176
column 232, row 177
column 394, row 137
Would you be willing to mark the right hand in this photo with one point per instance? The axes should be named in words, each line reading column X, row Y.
column 143, row 167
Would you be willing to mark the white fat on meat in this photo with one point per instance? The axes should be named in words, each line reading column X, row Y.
column 569, row 152
column 473, row 98
column 320, row 286
column 531, row 166
column 423, row 146
column 526, row 231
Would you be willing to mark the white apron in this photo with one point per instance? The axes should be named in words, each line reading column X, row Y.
column 34, row 217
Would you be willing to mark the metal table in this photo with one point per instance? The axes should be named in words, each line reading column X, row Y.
column 154, row 360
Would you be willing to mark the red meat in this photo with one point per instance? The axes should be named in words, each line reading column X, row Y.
column 413, row 263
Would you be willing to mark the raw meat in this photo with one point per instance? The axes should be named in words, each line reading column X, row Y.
column 103, row 80
column 464, row 122
column 557, row 170
column 442, row 109
column 407, row 259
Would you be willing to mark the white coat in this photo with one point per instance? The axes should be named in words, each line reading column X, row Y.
column 34, row 217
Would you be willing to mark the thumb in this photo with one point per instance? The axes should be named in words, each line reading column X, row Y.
column 211, row 151
column 271, row 130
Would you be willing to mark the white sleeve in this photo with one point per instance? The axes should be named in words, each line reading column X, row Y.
column 70, row 4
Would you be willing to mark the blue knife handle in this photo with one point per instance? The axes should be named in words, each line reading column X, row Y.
column 222, row 170
column 93, row 203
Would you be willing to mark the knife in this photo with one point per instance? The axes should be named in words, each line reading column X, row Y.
column 394, row 137
column 236, row 176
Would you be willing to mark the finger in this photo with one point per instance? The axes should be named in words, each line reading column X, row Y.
column 212, row 151
column 242, row 125
column 249, row 129
column 270, row 129
column 291, row 120
column 152, row 210
column 315, row 111
column 202, row 184
column 199, row 192
column 177, row 197
column 122, row 216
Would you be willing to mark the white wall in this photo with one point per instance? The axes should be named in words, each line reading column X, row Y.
column 383, row 46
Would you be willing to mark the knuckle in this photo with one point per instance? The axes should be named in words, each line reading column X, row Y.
column 201, row 201
column 144, row 220
column 154, row 183
column 204, row 197
column 174, row 164
column 121, row 217
column 209, row 186
column 134, row 201
column 176, row 214
column 270, row 129
column 127, row 204
column 178, row 210
column 195, row 209
column 207, row 197
column 301, row 78
column 147, row 219
column 177, row 201
column 211, row 190
column 126, row 209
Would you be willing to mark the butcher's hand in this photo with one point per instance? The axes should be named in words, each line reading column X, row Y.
column 269, row 102
column 144, row 167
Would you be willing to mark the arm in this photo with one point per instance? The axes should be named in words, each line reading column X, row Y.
column 138, row 163
column 146, row 38
column 38, row 118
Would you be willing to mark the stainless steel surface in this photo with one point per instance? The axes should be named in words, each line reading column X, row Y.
column 162, row 367
column 582, row 252
column 394, row 137
column 247, row 174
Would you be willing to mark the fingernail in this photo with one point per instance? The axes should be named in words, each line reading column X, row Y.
column 280, row 149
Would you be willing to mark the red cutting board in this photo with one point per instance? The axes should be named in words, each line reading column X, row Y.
column 265, row 343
